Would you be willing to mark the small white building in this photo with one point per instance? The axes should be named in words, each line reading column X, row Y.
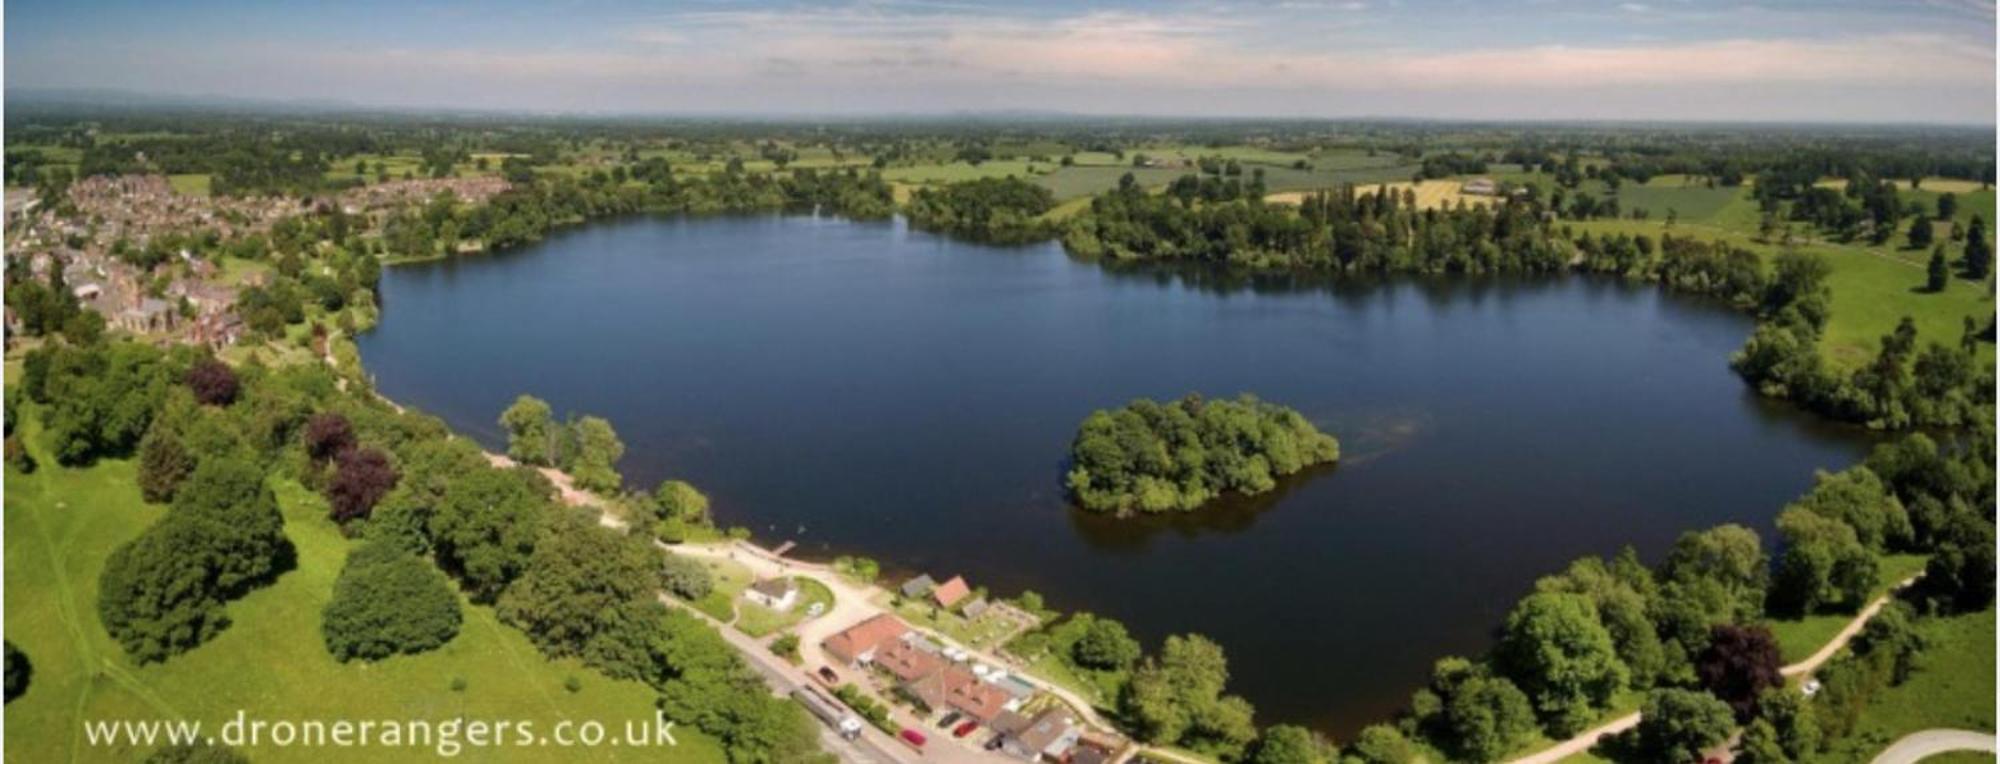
column 1480, row 186
column 778, row 594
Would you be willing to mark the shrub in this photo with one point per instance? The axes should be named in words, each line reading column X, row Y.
column 362, row 476
column 19, row 671
column 328, row 434
column 1677, row 725
column 213, row 382
column 388, row 601
column 685, row 577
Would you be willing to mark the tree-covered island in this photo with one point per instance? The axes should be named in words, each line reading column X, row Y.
column 1159, row 457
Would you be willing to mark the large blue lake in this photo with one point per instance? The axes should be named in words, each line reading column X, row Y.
column 862, row 387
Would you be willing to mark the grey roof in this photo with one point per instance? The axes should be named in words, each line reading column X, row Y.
column 775, row 587
column 917, row 586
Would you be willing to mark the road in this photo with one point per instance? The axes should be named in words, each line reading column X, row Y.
column 1587, row 739
column 873, row 747
column 854, row 603
column 1919, row 745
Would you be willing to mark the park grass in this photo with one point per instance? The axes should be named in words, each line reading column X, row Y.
column 758, row 621
column 731, row 578
column 192, row 184
column 1960, row 757
column 953, row 172
column 1952, row 688
column 61, row 525
column 1801, row 637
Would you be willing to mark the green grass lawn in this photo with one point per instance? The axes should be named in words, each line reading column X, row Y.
column 1801, row 637
column 61, row 524
column 730, row 580
column 1953, row 688
column 759, row 621
column 1872, row 290
column 192, row 185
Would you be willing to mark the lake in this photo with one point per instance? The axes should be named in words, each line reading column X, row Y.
column 867, row 388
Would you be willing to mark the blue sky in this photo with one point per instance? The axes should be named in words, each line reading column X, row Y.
column 1834, row 60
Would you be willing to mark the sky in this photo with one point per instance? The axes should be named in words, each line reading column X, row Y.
column 1775, row 60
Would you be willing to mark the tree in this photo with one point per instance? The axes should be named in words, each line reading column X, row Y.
column 680, row 500
column 1793, row 724
column 1920, row 232
column 1978, row 251
column 1741, row 662
column 1560, row 654
column 237, row 521
column 362, row 476
column 1858, row 497
column 164, row 462
column 1177, row 698
column 1290, row 744
column 1488, row 717
column 157, row 595
column 595, row 458
column 531, row 431
column 1382, row 744
column 1727, row 560
column 686, row 577
column 327, row 434
column 577, row 583
column 19, row 671
column 1938, row 273
column 1824, row 564
column 485, row 527
column 1947, row 206
column 1677, row 725
column 388, row 601
column 1105, row 646
column 213, row 382
column 1760, row 745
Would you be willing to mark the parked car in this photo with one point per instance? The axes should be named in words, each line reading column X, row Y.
column 1812, row 687
column 996, row 742
column 913, row 737
column 949, row 719
column 965, row 729
column 826, row 675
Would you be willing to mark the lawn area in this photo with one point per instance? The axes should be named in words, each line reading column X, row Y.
column 192, row 184
column 1804, row 636
column 61, row 524
column 957, row 171
column 1953, row 687
column 1872, row 290
column 730, row 580
column 759, row 621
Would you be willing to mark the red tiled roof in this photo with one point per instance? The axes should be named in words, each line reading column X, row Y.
column 864, row 636
column 955, row 687
column 950, row 592
column 906, row 661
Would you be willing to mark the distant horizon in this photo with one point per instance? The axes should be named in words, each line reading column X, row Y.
column 1784, row 61
column 117, row 99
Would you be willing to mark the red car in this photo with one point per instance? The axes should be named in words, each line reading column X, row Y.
column 913, row 737
column 965, row 729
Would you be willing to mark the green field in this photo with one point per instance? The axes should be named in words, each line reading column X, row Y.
column 61, row 524
column 1872, row 290
column 1953, row 688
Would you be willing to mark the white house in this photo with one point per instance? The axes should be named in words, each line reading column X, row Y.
column 778, row 594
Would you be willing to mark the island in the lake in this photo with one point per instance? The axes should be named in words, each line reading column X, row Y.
column 1164, row 457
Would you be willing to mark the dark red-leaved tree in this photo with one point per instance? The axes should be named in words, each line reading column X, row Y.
column 361, row 477
column 1740, row 663
column 328, row 434
column 213, row 382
